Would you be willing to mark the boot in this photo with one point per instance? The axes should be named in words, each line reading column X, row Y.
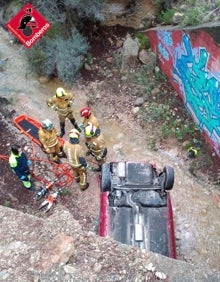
column 86, row 187
column 55, row 158
column 73, row 121
column 62, row 129
column 57, row 161
column 77, row 179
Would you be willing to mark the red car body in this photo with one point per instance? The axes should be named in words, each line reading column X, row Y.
column 135, row 206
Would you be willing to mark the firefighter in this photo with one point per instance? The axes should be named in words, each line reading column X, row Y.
column 19, row 164
column 62, row 103
column 48, row 137
column 192, row 152
column 96, row 144
column 76, row 158
column 88, row 117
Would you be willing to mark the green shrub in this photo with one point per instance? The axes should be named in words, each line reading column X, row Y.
column 193, row 16
column 61, row 51
column 87, row 9
column 36, row 57
column 6, row 203
column 143, row 40
column 166, row 16
column 56, row 28
column 191, row 2
column 159, row 6
column 59, row 56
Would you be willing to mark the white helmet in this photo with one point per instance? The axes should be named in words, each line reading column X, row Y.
column 74, row 133
column 47, row 124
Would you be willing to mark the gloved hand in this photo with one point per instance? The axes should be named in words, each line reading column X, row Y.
column 29, row 162
column 87, row 145
column 83, row 168
column 89, row 167
column 81, row 126
column 53, row 107
column 23, row 177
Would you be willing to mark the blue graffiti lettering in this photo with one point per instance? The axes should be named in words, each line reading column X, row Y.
column 200, row 88
column 163, row 52
column 166, row 39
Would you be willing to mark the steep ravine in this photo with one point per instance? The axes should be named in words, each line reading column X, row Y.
column 196, row 215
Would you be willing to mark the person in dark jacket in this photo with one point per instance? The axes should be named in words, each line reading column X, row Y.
column 19, row 164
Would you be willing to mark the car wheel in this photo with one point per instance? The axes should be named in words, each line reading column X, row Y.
column 169, row 177
column 105, row 178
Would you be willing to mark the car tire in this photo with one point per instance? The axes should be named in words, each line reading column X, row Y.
column 169, row 177
column 105, row 178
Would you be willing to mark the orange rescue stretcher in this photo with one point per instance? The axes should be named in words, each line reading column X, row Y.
column 29, row 126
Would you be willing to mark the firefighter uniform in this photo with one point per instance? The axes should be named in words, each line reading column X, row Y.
column 50, row 142
column 91, row 119
column 63, row 105
column 88, row 117
column 76, row 159
column 97, row 148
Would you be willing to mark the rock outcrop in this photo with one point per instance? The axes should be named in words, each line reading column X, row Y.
column 57, row 249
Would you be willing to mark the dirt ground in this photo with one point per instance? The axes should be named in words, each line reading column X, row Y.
column 13, row 194
column 126, row 137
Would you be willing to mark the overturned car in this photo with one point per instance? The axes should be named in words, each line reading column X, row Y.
column 135, row 206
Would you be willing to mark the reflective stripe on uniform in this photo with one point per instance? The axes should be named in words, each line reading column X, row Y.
column 53, row 142
column 73, row 162
column 63, row 112
column 76, row 166
column 83, row 179
column 13, row 161
column 27, row 184
column 48, row 138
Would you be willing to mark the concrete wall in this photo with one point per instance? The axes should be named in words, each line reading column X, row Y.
column 190, row 59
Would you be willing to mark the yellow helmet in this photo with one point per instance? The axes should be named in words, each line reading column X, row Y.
column 74, row 133
column 60, row 92
column 90, row 130
column 192, row 152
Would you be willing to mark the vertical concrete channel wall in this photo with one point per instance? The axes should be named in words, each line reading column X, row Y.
column 190, row 58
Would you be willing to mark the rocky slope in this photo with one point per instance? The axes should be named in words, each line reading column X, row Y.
column 29, row 241
column 56, row 249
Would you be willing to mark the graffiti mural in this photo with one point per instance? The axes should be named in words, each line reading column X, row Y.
column 200, row 88
column 186, row 62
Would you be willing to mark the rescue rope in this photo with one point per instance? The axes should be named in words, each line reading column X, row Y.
column 62, row 172
column 6, row 158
